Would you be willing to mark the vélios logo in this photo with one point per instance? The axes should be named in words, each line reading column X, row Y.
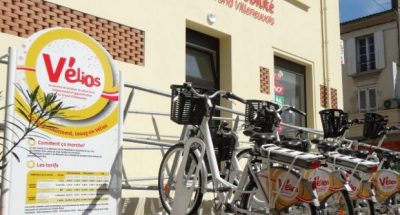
column 78, row 69
column 72, row 75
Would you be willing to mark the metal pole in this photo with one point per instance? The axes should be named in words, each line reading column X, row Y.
column 150, row 90
column 9, row 113
column 128, row 103
column 3, row 59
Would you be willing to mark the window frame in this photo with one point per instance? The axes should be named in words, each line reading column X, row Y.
column 368, row 107
column 370, row 60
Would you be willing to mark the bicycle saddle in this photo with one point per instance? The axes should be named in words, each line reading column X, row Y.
column 386, row 154
column 363, row 154
column 258, row 137
column 324, row 146
column 345, row 151
column 298, row 145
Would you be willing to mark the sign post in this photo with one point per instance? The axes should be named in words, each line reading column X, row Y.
column 72, row 166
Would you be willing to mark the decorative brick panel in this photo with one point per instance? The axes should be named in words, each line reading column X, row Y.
column 323, row 92
column 264, row 80
column 25, row 17
column 334, row 102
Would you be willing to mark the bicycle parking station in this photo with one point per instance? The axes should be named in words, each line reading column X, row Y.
column 156, row 141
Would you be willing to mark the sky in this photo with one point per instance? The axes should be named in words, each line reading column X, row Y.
column 352, row 9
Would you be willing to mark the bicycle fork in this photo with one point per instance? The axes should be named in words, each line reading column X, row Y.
column 182, row 192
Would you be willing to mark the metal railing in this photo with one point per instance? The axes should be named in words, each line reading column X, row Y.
column 156, row 140
column 157, row 144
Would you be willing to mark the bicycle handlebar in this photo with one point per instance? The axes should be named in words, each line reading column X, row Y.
column 284, row 108
column 225, row 94
column 291, row 108
column 235, row 97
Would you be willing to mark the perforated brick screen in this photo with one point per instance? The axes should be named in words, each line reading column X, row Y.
column 25, row 17
column 334, row 100
column 264, row 80
column 323, row 92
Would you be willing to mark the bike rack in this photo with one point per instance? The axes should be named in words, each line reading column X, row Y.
column 160, row 143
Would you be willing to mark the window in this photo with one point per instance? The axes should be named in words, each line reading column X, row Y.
column 365, row 53
column 202, row 63
column 202, row 55
column 290, row 90
column 367, row 99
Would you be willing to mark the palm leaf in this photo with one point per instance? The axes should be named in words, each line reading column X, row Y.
column 31, row 152
column 16, row 156
column 15, row 125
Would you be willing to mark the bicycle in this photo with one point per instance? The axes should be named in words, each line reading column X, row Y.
column 387, row 179
column 358, row 171
column 229, row 196
column 228, row 154
column 331, row 184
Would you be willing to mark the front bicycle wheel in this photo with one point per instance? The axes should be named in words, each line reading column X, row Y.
column 393, row 204
column 167, row 178
column 364, row 207
column 253, row 202
column 337, row 203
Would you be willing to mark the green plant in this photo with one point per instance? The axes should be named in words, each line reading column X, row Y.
column 40, row 111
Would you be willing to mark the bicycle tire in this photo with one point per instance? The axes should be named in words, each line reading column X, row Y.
column 348, row 210
column 370, row 208
column 165, row 189
column 394, row 200
column 246, row 197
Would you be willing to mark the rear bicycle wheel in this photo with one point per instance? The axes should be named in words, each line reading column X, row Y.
column 337, row 203
column 167, row 179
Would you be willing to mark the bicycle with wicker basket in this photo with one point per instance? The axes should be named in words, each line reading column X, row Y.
column 285, row 192
column 331, row 185
column 359, row 171
column 188, row 109
column 387, row 178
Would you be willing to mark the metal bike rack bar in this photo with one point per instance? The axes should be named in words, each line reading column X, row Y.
column 4, row 59
column 157, row 144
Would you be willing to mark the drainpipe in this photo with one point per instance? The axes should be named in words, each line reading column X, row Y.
column 395, row 8
column 325, row 66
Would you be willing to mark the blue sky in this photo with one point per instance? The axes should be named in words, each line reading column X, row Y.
column 352, row 9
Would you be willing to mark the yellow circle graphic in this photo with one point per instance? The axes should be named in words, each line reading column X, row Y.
column 43, row 40
column 75, row 128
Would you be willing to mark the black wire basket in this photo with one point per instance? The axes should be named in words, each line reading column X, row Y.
column 257, row 116
column 186, row 107
column 374, row 124
column 334, row 122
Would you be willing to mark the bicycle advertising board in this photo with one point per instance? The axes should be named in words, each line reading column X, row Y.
column 387, row 182
column 288, row 189
column 71, row 165
column 326, row 182
column 359, row 189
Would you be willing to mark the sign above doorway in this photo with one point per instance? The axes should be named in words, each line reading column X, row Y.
column 261, row 10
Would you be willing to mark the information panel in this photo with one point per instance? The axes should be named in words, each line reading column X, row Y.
column 72, row 165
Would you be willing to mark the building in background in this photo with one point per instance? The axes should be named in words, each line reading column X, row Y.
column 286, row 50
column 371, row 49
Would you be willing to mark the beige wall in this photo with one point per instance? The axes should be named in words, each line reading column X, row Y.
column 245, row 43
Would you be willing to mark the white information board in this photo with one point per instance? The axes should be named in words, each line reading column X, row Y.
column 74, row 167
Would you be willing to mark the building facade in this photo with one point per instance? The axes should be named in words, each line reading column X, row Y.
column 371, row 49
column 287, row 51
